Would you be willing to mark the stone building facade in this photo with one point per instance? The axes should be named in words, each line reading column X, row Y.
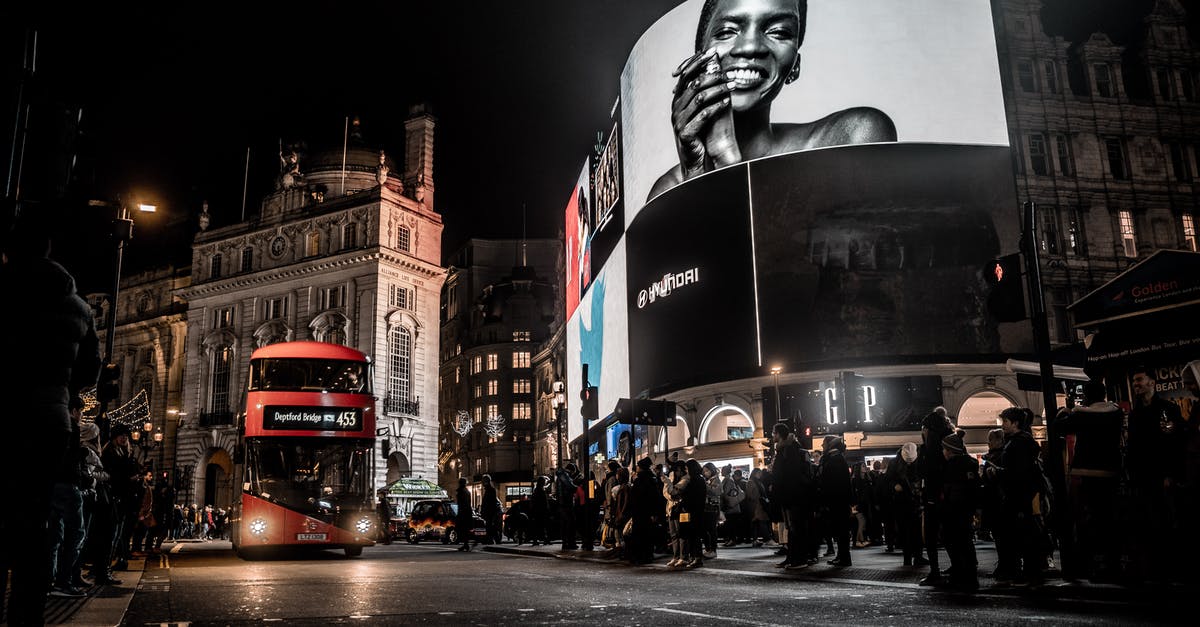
column 148, row 345
column 499, row 304
column 345, row 255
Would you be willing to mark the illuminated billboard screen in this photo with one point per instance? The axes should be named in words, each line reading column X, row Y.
column 822, row 214
column 578, row 229
column 597, row 335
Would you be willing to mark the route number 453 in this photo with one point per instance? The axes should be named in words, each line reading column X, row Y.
column 347, row 419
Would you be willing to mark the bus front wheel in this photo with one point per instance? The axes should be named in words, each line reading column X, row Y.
column 353, row 551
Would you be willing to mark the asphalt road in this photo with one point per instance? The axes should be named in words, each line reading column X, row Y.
column 205, row 584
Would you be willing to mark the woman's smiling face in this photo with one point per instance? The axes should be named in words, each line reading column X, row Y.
column 758, row 42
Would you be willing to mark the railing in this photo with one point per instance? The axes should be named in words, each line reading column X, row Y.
column 402, row 406
column 216, row 419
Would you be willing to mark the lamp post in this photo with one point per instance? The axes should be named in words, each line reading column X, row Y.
column 775, row 370
column 560, row 402
column 122, row 231
column 147, row 438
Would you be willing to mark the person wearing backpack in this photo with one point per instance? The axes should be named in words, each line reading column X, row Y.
column 732, row 496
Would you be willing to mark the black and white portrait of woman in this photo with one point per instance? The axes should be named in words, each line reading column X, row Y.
column 746, row 52
column 715, row 83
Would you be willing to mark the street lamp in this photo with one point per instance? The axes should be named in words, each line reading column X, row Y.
column 147, row 438
column 560, row 403
column 775, row 370
column 122, row 231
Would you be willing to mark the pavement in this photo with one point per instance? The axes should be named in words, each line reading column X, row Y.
column 871, row 566
column 107, row 605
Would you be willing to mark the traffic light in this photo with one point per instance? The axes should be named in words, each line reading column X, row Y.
column 1006, row 291
column 805, row 436
column 108, row 388
column 590, row 407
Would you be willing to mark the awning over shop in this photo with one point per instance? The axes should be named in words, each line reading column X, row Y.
column 1166, row 280
column 415, row 487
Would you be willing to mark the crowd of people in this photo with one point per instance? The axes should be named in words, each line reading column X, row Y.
column 76, row 500
column 1129, row 481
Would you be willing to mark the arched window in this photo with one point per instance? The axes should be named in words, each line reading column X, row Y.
column 726, row 422
column 983, row 409
column 403, row 238
column 399, row 364
column 222, row 365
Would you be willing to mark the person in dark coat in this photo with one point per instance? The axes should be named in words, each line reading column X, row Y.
column 961, row 496
column 902, row 480
column 1096, row 464
column 564, row 487
column 1019, row 547
column 539, row 512
column 834, row 481
column 491, row 509
column 932, row 464
column 383, row 510
column 53, row 351
column 695, row 495
column 125, row 480
column 645, row 507
column 792, row 490
column 1154, row 458
column 465, row 519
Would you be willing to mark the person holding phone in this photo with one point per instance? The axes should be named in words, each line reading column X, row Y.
column 746, row 51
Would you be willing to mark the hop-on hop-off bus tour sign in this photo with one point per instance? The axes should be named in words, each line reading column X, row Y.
column 312, row 418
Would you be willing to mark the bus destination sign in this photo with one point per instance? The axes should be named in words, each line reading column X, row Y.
column 312, row 418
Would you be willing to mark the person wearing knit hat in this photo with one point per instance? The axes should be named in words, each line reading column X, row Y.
column 961, row 496
column 953, row 444
column 902, row 480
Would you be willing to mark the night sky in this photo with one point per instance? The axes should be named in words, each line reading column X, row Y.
column 173, row 96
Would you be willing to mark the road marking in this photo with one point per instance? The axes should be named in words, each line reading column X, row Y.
column 445, row 613
column 526, row 609
column 709, row 616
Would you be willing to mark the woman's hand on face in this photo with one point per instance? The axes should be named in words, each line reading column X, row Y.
column 698, row 98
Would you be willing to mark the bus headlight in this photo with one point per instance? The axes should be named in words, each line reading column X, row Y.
column 363, row 525
column 258, row 526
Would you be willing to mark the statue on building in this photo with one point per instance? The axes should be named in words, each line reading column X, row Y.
column 381, row 173
column 289, row 170
column 205, row 218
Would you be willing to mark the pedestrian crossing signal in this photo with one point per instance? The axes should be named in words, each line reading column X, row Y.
column 1006, row 291
column 590, row 407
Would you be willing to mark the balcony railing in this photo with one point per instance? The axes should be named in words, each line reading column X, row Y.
column 216, row 419
column 404, row 407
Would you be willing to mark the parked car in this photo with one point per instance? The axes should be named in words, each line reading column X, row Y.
column 518, row 515
column 436, row 519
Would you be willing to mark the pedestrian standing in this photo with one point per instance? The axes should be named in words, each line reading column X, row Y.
column 792, row 490
column 755, row 511
column 1095, row 464
column 932, row 464
column 100, row 511
column 123, row 471
column 903, row 480
column 691, row 520
column 712, row 509
column 961, row 486
column 834, row 481
column 1019, row 546
column 1191, row 468
column 539, row 508
column 1154, row 457
column 383, row 510
column 564, row 487
column 644, row 509
column 66, row 515
column 618, row 502
column 464, row 520
column 490, row 509
column 54, row 354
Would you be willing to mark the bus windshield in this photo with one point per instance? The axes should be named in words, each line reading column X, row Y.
column 314, row 476
column 309, row 375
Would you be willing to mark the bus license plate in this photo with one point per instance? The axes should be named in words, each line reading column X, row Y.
column 312, row 536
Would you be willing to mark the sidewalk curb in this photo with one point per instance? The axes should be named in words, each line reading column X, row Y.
column 110, row 608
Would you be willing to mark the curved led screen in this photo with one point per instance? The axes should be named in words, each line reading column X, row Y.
column 811, row 184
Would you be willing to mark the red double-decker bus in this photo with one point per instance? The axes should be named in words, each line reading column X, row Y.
column 309, row 446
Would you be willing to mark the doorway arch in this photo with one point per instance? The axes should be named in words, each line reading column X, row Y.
column 982, row 409
column 726, row 422
column 218, row 479
column 398, row 467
